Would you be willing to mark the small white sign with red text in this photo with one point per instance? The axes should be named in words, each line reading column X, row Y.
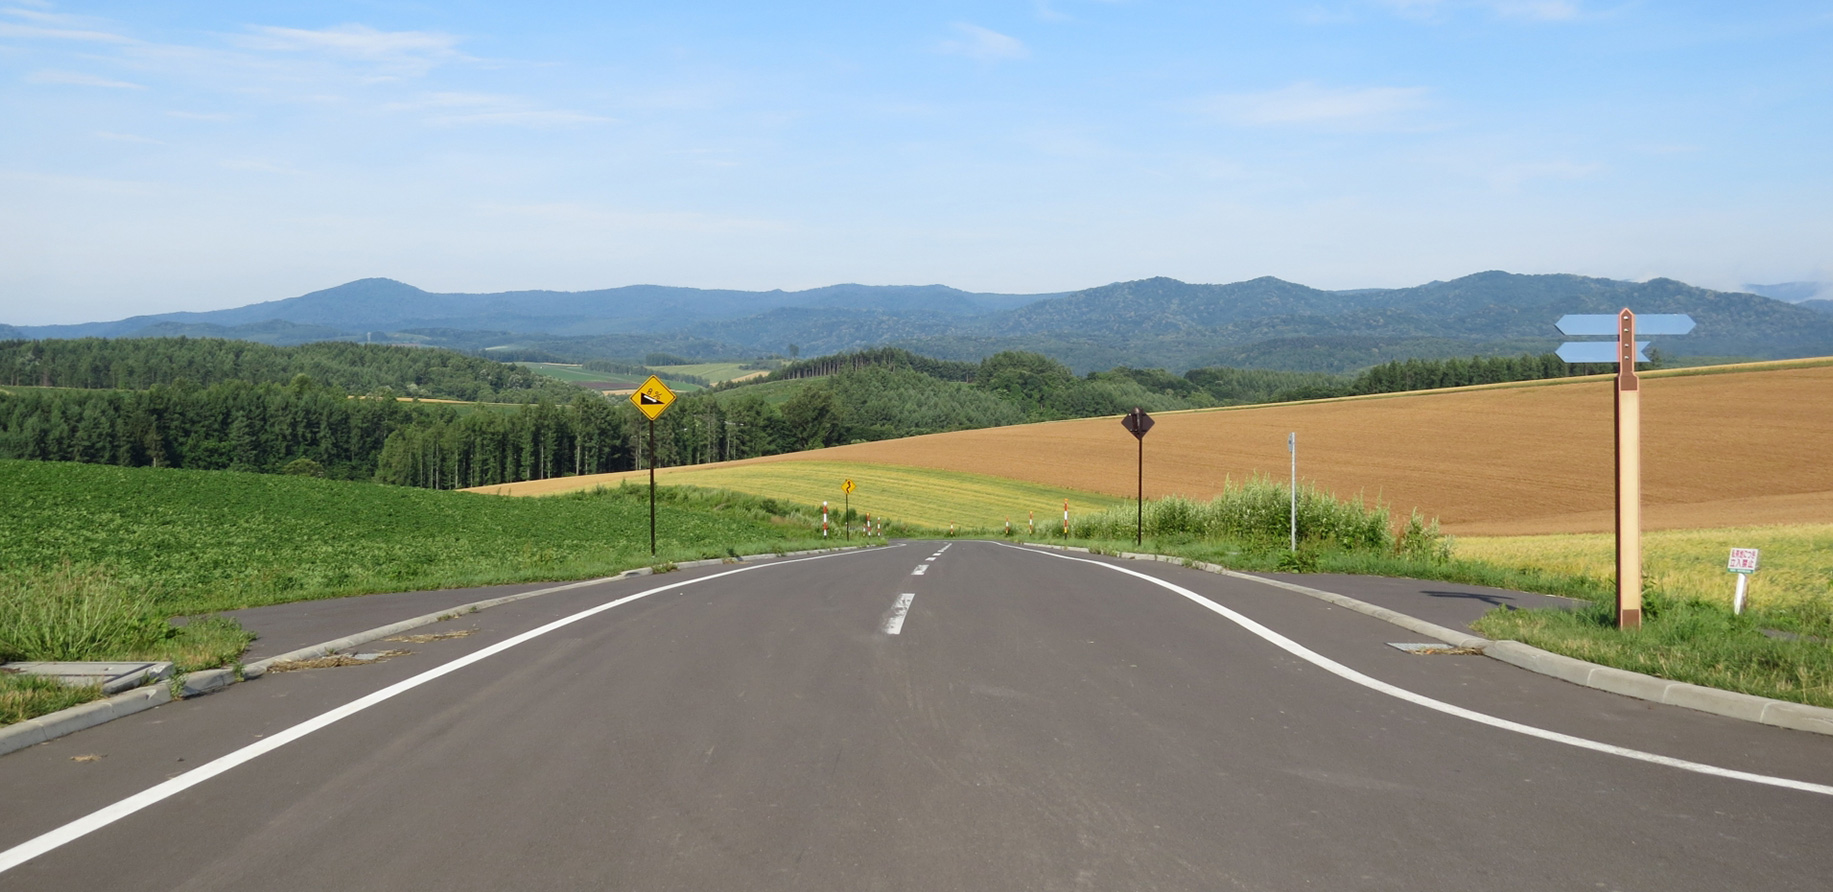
column 1743, row 560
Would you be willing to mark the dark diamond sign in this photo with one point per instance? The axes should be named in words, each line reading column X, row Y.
column 1137, row 422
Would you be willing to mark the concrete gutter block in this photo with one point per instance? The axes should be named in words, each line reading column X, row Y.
column 206, row 681
column 1534, row 659
column 1798, row 717
column 1713, row 700
column 1631, row 684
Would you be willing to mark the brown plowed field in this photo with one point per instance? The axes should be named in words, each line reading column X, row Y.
column 1720, row 448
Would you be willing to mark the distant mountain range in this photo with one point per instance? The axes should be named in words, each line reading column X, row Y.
column 1158, row 322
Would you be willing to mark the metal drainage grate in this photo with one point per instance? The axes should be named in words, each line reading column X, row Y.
column 1435, row 649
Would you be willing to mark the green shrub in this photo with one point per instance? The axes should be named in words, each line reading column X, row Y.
column 1258, row 511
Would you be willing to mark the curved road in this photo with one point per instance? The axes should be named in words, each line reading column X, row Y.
column 1035, row 722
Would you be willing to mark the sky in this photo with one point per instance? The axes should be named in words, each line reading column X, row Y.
column 199, row 155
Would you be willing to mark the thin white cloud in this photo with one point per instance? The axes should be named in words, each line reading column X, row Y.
column 8, row 29
column 199, row 116
column 1539, row 10
column 1510, row 178
column 257, row 165
column 457, row 109
column 1534, row 10
column 411, row 52
column 1307, row 103
column 128, row 137
column 594, row 217
column 984, row 44
column 79, row 79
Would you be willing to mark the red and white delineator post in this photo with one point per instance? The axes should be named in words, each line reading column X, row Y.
column 1031, row 522
column 824, row 520
column 1065, row 518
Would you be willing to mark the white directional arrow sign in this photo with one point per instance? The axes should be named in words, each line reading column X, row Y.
column 1598, row 351
column 1606, row 324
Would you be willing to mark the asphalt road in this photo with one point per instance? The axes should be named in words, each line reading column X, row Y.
column 1035, row 723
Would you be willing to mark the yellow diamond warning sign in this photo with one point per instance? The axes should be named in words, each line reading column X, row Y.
column 653, row 397
column 847, row 487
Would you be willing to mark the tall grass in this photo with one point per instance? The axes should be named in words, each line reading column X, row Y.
column 1256, row 512
column 88, row 614
column 75, row 615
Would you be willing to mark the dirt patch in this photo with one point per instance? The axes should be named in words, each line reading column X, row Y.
column 427, row 639
column 333, row 661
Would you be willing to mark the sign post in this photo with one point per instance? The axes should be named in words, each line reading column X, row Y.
column 1137, row 422
column 1626, row 352
column 652, row 399
column 846, row 506
column 1744, row 564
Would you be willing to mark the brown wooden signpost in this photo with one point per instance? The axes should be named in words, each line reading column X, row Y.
column 1137, row 422
column 1626, row 352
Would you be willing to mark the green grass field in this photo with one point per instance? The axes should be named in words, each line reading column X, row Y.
column 711, row 371
column 573, row 374
column 578, row 375
column 97, row 558
column 918, row 496
column 776, row 393
column 218, row 540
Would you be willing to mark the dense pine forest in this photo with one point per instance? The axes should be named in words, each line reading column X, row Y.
column 332, row 409
column 140, row 363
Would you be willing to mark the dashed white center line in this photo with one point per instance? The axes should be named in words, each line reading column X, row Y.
column 920, row 570
column 901, row 609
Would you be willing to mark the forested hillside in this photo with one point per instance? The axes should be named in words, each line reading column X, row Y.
column 82, row 404
column 140, row 363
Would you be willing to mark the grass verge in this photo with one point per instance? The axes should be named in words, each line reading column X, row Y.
column 98, row 559
column 1688, row 634
column 27, row 697
column 1682, row 640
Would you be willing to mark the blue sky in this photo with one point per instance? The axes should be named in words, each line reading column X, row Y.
column 195, row 155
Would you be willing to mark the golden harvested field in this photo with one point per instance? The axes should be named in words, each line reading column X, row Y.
column 1797, row 561
column 923, row 496
column 1744, row 446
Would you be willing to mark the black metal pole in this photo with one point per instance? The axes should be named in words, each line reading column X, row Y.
column 846, row 514
column 652, row 487
column 1139, row 528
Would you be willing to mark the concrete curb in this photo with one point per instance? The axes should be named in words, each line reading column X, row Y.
column 32, row 732
column 1763, row 710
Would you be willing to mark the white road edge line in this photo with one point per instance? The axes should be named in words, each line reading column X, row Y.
column 103, row 817
column 1336, row 668
column 899, row 610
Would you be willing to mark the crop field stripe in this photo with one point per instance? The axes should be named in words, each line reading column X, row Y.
column 923, row 496
column 1400, row 693
column 1721, row 448
column 101, row 818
